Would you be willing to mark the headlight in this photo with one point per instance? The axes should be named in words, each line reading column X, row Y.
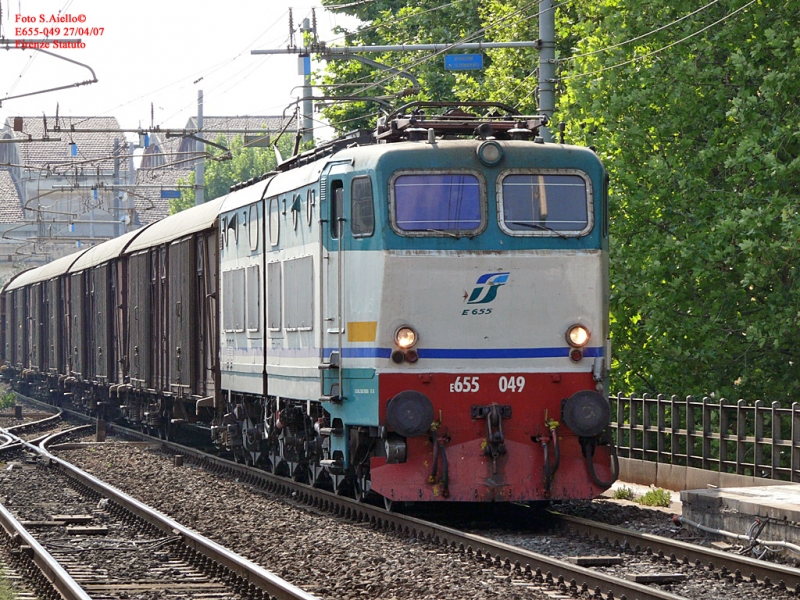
column 490, row 153
column 405, row 337
column 578, row 336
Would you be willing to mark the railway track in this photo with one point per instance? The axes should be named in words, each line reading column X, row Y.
column 558, row 577
column 91, row 541
column 768, row 575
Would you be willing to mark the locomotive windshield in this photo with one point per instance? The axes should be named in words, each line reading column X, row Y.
column 545, row 204
column 436, row 203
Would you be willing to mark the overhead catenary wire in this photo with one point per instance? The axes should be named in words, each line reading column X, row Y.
column 613, row 46
column 658, row 50
column 466, row 38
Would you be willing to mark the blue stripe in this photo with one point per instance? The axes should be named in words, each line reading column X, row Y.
column 469, row 353
column 494, row 353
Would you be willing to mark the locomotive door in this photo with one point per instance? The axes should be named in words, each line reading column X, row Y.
column 334, row 185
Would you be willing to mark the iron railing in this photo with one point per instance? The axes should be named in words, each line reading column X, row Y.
column 718, row 435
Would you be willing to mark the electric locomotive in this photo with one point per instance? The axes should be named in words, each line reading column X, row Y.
column 422, row 313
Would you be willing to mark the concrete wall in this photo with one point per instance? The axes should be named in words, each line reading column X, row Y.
column 678, row 478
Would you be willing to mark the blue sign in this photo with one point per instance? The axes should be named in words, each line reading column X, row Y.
column 463, row 62
column 170, row 193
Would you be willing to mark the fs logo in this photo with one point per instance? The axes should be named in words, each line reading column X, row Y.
column 486, row 288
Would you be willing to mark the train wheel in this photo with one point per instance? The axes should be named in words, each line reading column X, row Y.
column 345, row 487
column 282, row 469
column 361, row 489
column 301, row 474
column 323, row 481
column 163, row 429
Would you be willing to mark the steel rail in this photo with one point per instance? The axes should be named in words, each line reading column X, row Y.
column 771, row 573
column 247, row 570
column 49, row 566
column 45, row 421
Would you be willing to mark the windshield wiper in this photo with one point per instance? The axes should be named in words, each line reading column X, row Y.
column 541, row 228
column 443, row 232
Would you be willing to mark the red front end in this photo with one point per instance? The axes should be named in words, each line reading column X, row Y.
column 494, row 438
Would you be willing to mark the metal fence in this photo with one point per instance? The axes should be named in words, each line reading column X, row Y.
column 718, row 435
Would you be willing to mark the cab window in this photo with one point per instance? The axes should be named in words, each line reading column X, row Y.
column 437, row 203
column 545, row 204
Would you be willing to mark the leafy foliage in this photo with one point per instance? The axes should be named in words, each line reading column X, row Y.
column 8, row 399
column 623, row 493
column 656, row 497
column 220, row 175
column 702, row 142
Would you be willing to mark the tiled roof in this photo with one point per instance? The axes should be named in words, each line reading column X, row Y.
column 93, row 148
column 149, row 204
column 10, row 204
column 162, row 152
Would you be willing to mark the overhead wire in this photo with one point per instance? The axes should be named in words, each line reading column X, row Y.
column 33, row 56
column 608, row 48
column 464, row 39
column 640, row 37
column 205, row 72
column 658, row 50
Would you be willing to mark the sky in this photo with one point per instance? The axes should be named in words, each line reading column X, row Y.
column 157, row 53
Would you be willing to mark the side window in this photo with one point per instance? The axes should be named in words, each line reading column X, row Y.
column 274, row 221
column 233, row 297
column 163, row 262
column 337, row 200
column 253, row 223
column 362, row 211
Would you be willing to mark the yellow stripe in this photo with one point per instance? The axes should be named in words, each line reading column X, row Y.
column 362, row 331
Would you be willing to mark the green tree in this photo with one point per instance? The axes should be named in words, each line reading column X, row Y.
column 700, row 134
column 245, row 163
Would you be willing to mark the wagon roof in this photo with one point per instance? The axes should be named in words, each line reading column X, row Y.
column 97, row 255
column 178, row 225
column 46, row 272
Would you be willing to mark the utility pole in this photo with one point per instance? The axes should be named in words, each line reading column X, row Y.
column 547, row 64
column 115, row 207
column 307, row 126
column 200, row 147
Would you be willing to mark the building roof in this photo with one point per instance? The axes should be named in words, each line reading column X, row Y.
column 163, row 152
column 149, row 204
column 10, row 202
column 93, row 148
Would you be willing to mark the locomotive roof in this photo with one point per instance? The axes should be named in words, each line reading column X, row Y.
column 45, row 272
column 104, row 252
column 178, row 225
column 244, row 196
